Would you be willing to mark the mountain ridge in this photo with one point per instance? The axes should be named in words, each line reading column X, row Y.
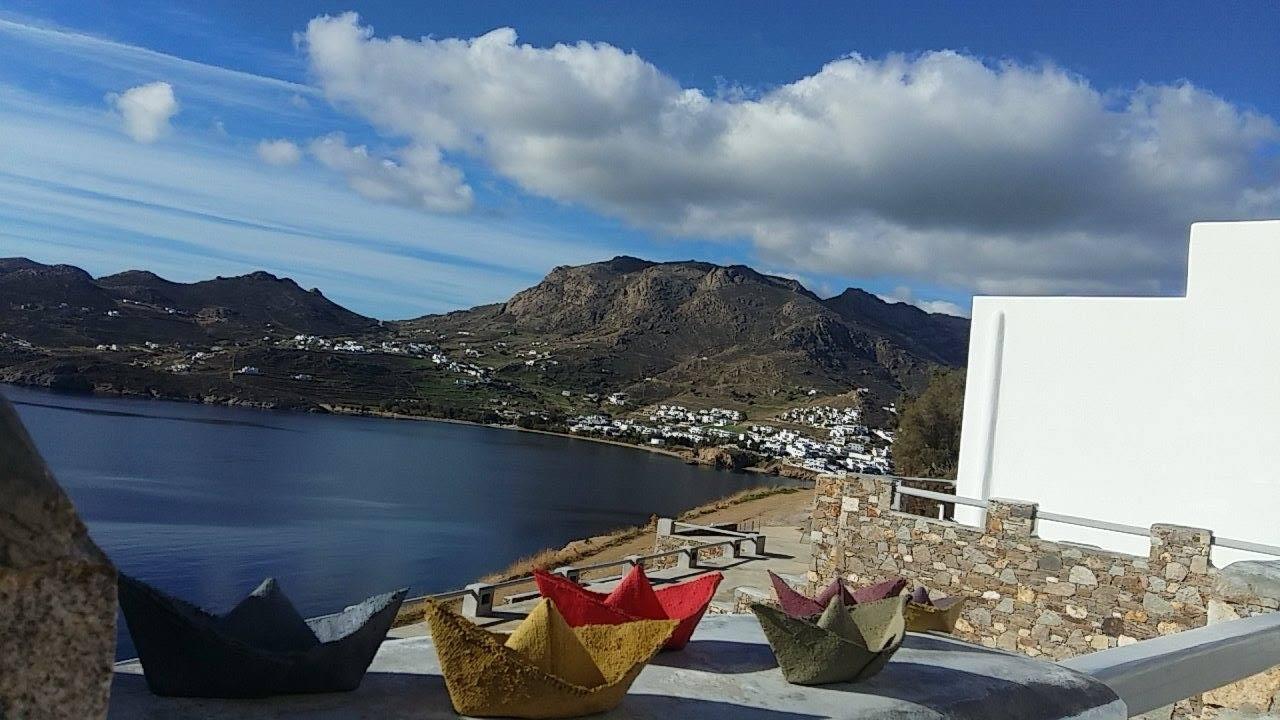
column 679, row 331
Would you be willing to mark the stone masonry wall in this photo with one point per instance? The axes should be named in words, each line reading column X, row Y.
column 1022, row 593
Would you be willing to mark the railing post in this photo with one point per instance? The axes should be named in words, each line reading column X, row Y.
column 569, row 572
column 478, row 602
column 758, row 540
column 1014, row 519
column 687, row 559
column 666, row 527
column 896, row 503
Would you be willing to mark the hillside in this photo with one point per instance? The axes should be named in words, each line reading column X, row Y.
column 61, row 305
column 700, row 333
column 689, row 332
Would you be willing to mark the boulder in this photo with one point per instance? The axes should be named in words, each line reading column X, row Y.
column 727, row 457
column 1248, row 580
column 57, row 593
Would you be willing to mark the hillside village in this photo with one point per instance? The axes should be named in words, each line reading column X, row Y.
column 798, row 438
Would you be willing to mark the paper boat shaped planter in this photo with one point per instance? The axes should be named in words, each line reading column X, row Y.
column 544, row 669
column 799, row 605
column 262, row 647
column 925, row 613
column 843, row 644
column 633, row 599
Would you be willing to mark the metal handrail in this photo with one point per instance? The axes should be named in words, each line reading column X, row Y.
column 1091, row 523
column 1246, row 545
column 1260, row 548
column 942, row 497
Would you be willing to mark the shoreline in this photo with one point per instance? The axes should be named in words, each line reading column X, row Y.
column 356, row 412
column 332, row 409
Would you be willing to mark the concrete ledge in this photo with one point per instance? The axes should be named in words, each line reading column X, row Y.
column 727, row 671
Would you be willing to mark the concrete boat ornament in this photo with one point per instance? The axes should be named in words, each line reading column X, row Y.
column 926, row 614
column 262, row 647
column 843, row 644
column 799, row 605
column 544, row 669
column 633, row 599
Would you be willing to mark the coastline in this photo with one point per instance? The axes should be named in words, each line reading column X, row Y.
column 358, row 412
column 334, row 409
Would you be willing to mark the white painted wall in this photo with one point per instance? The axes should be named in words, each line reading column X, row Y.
column 1137, row 410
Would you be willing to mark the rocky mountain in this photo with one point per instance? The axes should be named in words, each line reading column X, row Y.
column 64, row 305
column 697, row 332
column 687, row 332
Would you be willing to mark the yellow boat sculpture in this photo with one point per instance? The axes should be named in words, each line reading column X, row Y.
column 544, row 669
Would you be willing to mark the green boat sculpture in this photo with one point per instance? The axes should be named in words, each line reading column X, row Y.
column 843, row 644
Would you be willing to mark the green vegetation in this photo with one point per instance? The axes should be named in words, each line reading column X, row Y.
column 928, row 441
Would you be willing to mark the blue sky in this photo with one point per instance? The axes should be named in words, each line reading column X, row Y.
column 410, row 158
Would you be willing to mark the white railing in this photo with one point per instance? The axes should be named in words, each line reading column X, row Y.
column 900, row 490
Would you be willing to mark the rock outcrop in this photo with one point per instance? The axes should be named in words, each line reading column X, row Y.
column 726, row 457
column 57, row 593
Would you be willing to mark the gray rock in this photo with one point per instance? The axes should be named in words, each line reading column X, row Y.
column 1049, row 618
column 1050, row 563
column 980, row 617
column 1082, row 575
column 57, row 593
column 1176, row 572
column 1156, row 605
column 1248, row 579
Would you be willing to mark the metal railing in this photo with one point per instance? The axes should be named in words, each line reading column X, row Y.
column 477, row 598
column 901, row 490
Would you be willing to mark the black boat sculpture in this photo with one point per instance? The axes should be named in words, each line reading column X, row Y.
column 262, row 647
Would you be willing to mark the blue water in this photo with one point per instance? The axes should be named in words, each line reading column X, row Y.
column 204, row 502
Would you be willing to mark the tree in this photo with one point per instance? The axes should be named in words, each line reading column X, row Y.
column 928, row 440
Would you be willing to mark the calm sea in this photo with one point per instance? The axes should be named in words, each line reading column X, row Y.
column 204, row 502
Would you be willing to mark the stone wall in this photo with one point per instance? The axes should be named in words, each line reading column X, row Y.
column 677, row 542
column 670, row 539
column 1022, row 593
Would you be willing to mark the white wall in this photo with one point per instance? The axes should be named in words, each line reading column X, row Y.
column 1137, row 410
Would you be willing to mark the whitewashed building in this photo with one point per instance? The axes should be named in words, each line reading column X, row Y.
column 1137, row 410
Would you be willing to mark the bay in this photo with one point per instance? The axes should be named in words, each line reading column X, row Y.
column 206, row 501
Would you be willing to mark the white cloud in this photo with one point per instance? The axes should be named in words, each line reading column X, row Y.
column 146, row 110
column 904, row 294
column 417, row 177
column 74, row 189
column 279, row 152
column 937, row 167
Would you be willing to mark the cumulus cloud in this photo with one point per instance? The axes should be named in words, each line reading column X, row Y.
column 904, row 294
column 416, row 177
column 146, row 110
column 279, row 152
column 938, row 167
